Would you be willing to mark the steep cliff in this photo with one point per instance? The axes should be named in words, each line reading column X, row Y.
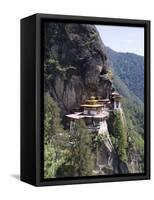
column 74, row 58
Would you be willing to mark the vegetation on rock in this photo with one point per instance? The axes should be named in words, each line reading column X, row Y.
column 63, row 151
column 82, row 155
column 56, row 138
column 120, row 134
column 132, row 103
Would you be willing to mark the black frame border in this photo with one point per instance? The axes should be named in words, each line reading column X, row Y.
column 40, row 181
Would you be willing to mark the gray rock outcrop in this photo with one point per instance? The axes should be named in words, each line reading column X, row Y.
column 76, row 56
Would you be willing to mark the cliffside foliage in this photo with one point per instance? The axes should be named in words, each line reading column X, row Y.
column 135, row 144
column 65, row 154
column 52, row 67
column 120, row 135
column 134, row 113
column 97, row 139
column 82, row 156
column 52, row 120
column 56, row 152
column 110, row 75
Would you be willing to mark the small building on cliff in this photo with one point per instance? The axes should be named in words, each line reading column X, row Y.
column 116, row 100
column 94, row 114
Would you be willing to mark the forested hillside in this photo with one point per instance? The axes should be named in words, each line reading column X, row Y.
column 128, row 79
column 130, row 68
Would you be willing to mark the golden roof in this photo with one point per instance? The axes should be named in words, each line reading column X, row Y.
column 92, row 102
column 92, row 98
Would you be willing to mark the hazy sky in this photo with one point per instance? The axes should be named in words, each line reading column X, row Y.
column 123, row 39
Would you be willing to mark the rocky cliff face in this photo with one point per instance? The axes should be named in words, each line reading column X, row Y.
column 75, row 55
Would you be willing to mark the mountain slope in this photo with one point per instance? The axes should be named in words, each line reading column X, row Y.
column 132, row 103
column 130, row 68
